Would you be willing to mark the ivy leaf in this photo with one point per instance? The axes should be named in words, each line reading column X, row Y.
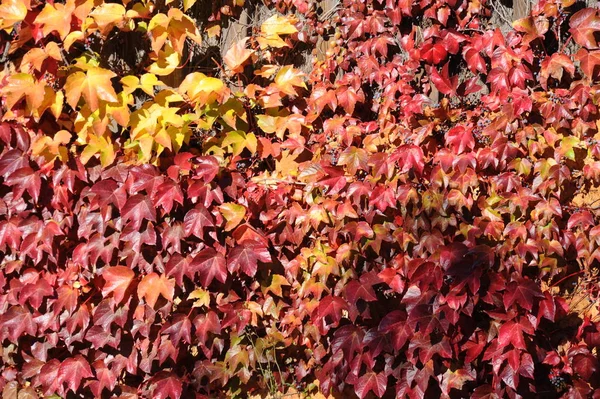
column 107, row 15
column 210, row 264
column 288, row 78
column 584, row 23
column 523, row 292
column 94, row 85
column 371, row 381
column 443, row 82
column 456, row 379
column 329, row 313
column 11, row 13
column 588, row 60
column 15, row 322
column 25, row 179
column 137, row 208
column 196, row 220
column 273, row 28
column 233, row 214
column 153, row 285
column 168, row 385
column 117, row 280
column 73, row 370
column 532, row 27
column 237, row 55
column 56, row 17
column 239, row 140
column 245, row 258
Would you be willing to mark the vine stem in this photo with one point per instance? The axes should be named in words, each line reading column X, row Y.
column 566, row 277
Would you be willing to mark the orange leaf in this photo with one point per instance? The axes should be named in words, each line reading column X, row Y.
column 94, row 85
column 237, row 55
column 57, row 18
column 11, row 12
column 287, row 78
column 117, row 280
column 153, row 285
column 107, row 16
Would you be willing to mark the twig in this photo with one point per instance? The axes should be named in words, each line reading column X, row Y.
column 501, row 14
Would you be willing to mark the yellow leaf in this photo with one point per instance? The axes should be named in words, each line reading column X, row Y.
column 279, row 25
column 287, row 78
column 147, row 83
column 19, row 86
column 51, row 148
column 107, row 16
column 56, row 17
column 176, row 26
column 99, row 145
column 187, row 4
column 94, row 86
column 233, row 214
column 238, row 140
column 273, row 28
column 167, row 61
column 202, row 89
column 11, row 12
column 202, row 298
column 287, row 165
column 76, row 36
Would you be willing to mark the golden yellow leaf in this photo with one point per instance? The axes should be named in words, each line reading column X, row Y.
column 107, row 15
column 94, row 85
column 168, row 60
column 202, row 89
column 76, row 36
column 56, row 17
column 187, row 4
column 19, row 86
column 288, row 78
column 233, row 214
column 99, row 145
column 51, row 148
column 273, row 28
column 287, row 165
column 11, row 12
column 202, row 298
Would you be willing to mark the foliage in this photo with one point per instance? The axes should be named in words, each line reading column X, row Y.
column 344, row 226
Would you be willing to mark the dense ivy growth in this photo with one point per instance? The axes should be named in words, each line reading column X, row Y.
column 416, row 217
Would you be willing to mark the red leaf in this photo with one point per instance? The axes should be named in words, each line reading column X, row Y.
column 329, row 313
column 584, row 24
column 105, row 379
column 460, row 139
column 15, row 322
column 511, row 333
column 117, row 280
column 523, row 292
column 167, row 385
column 166, row 193
column 25, row 179
column 196, row 220
column 177, row 267
column 210, row 264
column 371, row 381
column 137, row 208
column 72, row 371
column 108, row 192
column 245, row 257
column 443, row 82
